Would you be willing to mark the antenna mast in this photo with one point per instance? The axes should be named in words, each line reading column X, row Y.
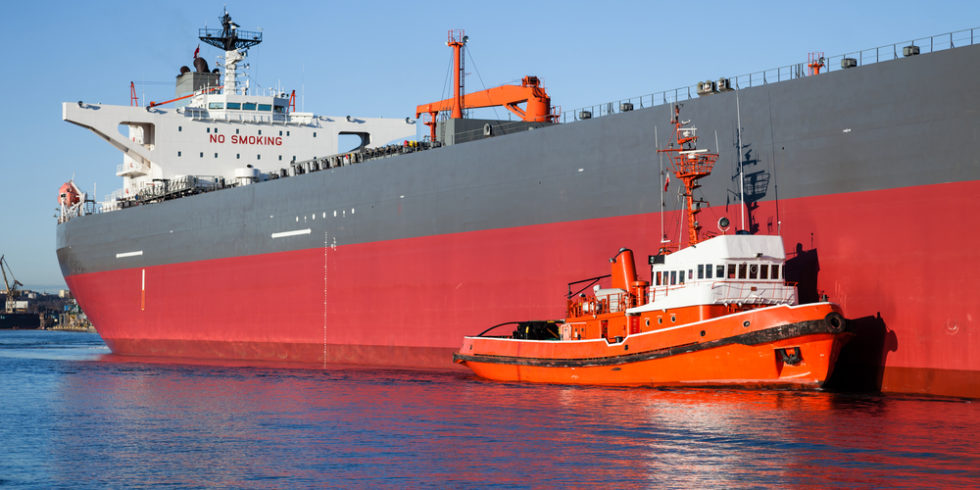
column 689, row 164
column 741, row 175
column 234, row 41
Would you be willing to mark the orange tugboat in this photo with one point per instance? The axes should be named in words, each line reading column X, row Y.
column 717, row 312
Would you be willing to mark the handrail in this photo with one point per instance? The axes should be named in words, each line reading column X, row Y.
column 887, row 52
column 495, row 326
column 590, row 281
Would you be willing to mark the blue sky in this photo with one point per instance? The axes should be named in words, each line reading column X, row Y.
column 382, row 59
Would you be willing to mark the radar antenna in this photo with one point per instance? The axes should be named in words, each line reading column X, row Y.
column 230, row 37
column 235, row 42
column 689, row 164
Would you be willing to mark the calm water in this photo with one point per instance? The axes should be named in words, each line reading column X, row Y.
column 71, row 416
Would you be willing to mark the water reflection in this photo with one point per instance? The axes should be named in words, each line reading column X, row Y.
column 111, row 423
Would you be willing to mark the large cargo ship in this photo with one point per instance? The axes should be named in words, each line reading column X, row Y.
column 242, row 233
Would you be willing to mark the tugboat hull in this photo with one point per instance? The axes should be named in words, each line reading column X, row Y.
column 781, row 346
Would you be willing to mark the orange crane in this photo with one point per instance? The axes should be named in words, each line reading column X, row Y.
column 530, row 91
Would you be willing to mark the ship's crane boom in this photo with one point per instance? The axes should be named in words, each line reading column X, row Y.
column 537, row 109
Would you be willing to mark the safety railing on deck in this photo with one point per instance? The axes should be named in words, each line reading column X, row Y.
column 591, row 305
column 750, row 292
column 888, row 52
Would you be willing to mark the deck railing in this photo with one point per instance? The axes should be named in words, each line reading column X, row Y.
column 888, row 52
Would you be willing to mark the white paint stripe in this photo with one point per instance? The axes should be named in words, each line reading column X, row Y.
column 122, row 255
column 143, row 281
column 282, row 234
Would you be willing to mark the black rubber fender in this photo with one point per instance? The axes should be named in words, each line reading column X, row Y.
column 835, row 322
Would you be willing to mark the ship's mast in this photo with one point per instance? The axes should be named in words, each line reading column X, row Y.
column 235, row 43
column 689, row 164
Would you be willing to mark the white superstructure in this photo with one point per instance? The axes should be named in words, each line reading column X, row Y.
column 224, row 135
column 726, row 269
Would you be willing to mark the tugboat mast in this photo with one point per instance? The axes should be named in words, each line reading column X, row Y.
column 689, row 164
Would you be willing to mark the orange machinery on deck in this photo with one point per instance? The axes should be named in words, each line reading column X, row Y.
column 530, row 91
column 717, row 312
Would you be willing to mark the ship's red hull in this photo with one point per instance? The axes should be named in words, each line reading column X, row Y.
column 911, row 290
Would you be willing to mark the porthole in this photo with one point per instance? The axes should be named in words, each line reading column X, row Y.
column 702, row 333
column 660, row 320
column 648, row 322
column 673, row 318
column 746, row 323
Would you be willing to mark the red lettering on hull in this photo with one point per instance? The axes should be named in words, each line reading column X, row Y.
column 251, row 140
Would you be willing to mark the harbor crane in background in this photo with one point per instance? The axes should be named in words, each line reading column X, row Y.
column 11, row 289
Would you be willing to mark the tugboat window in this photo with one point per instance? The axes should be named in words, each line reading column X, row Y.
column 235, row 106
column 741, row 270
column 673, row 277
column 248, row 106
column 764, row 271
column 731, row 271
column 754, row 271
column 720, row 272
column 700, row 271
column 707, row 271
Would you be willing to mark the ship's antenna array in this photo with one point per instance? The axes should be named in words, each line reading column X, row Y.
column 741, row 176
column 689, row 164
column 663, row 188
column 235, row 42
